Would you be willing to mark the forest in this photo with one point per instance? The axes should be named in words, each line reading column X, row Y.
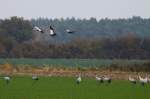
column 93, row 39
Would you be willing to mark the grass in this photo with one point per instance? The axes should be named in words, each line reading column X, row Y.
column 22, row 87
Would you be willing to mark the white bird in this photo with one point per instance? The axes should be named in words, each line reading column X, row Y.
column 79, row 79
column 51, row 31
column 7, row 79
column 132, row 80
column 99, row 79
column 69, row 31
column 143, row 80
column 35, row 78
column 108, row 79
column 38, row 29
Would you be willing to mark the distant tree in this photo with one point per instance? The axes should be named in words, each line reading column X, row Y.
column 17, row 28
column 105, row 38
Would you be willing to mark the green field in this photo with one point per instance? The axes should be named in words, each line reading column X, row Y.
column 66, row 88
column 70, row 62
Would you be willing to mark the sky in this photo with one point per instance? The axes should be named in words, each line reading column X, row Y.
column 112, row 9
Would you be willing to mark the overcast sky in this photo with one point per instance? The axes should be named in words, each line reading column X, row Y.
column 75, row 8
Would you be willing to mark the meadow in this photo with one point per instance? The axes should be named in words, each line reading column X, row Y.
column 23, row 87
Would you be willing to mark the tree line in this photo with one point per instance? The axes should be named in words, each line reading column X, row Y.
column 103, row 39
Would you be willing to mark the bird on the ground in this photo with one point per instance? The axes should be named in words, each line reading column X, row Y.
column 143, row 81
column 99, row 79
column 35, row 78
column 78, row 81
column 132, row 80
column 107, row 79
column 7, row 79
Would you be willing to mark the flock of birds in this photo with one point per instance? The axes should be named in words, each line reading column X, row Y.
column 78, row 80
column 51, row 30
column 8, row 78
column 141, row 80
column 101, row 79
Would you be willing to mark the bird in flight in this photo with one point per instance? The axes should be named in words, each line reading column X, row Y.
column 36, row 28
column 70, row 31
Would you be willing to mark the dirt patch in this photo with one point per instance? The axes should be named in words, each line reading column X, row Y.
column 70, row 72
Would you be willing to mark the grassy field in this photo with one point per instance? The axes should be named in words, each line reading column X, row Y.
column 65, row 88
column 70, row 62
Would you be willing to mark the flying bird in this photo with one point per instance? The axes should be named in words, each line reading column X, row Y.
column 38, row 29
column 51, row 31
column 70, row 31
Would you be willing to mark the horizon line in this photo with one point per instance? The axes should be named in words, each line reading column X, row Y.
column 82, row 18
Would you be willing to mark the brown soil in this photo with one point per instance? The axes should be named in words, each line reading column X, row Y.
column 71, row 72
